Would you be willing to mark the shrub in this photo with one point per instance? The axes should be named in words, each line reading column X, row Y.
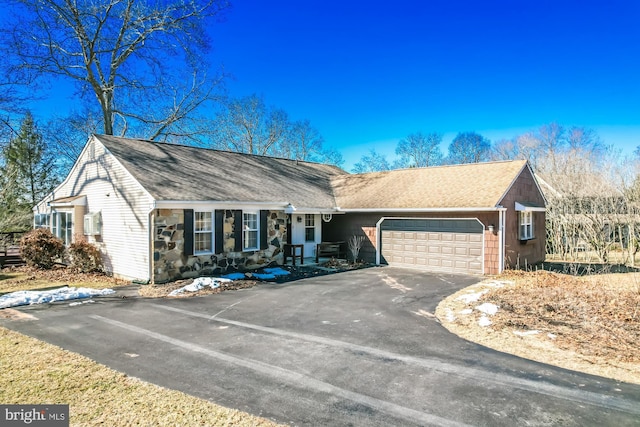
column 85, row 257
column 40, row 248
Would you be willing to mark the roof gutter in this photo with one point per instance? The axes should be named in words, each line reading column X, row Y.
column 231, row 204
column 412, row 210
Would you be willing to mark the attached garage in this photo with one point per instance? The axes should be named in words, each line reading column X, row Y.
column 439, row 245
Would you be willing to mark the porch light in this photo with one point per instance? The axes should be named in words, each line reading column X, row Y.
column 289, row 209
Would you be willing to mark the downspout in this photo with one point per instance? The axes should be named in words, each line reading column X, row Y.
column 151, row 218
column 501, row 239
column 378, row 238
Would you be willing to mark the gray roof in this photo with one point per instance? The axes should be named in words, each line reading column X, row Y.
column 185, row 173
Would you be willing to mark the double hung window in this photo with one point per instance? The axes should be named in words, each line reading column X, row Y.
column 203, row 233
column 250, row 231
column 526, row 225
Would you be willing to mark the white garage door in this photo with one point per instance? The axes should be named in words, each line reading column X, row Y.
column 440, row 245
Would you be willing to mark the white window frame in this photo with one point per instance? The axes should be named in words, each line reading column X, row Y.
column 201, row 228
column 247, row 230
column 309, row 224
column 525, row 224
column 42, row 220
column 65, row 235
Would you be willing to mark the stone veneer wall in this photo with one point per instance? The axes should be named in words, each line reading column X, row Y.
column 170, row 262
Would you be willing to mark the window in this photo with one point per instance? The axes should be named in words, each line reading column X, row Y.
column 41, row 221
column 203, row 233
column 250, row 231
column 309, row 228
column 526, row 225
column 62, row 226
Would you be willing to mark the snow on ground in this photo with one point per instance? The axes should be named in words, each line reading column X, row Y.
column 484, row 321
column 487, row 308
column 200, row 283
column 215, row 282
column 64, row 293
column 472, row 297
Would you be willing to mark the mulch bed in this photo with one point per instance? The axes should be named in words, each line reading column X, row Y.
column 296, row 273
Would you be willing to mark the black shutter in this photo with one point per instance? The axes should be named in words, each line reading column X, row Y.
column 188, row 232
column 219, row 231
column 289, row 227
column 237, row 230
column 263, row 229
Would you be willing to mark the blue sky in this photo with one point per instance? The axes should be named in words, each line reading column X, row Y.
column 367, row 74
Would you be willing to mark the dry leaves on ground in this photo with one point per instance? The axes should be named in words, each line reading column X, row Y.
column 29, row 278
column 596, row 316
column 590, row 324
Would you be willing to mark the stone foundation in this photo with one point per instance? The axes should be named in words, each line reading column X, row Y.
column 171, row 263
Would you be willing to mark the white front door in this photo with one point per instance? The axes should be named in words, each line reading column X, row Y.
column 307, row 231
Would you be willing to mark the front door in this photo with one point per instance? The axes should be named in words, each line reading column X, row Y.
column 307, row 231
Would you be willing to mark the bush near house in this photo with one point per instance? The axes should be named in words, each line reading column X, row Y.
column 85, row 257
column 40, row 248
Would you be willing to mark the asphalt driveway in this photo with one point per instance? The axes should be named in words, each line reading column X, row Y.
column 356, row 348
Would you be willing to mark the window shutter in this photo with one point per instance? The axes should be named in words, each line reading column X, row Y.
column 218, row 224
column 263, row 229
column 188, row 232
column 237, row 230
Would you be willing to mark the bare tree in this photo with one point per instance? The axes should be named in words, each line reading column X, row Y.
column 355, row 244
column 372, row 162
column 469, row 147
column 249, row 125
column 418, row 150
column 132, row 56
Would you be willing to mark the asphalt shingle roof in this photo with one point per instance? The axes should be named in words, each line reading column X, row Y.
column 185, row 173
column 476, row 185
column 181, row 173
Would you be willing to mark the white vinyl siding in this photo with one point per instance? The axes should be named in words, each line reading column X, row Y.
column 124, row 206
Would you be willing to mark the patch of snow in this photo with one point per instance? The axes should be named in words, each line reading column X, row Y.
column 200, row 283
column 73, row 304
column 552, row 336
column 484, row 321
column 450, row 316
column 526, row 333
column 64, row 293
column 466, row 311
column 473, row 297
column 487, row 308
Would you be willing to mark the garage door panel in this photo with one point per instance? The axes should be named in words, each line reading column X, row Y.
column 443, row 245
column 475, row 252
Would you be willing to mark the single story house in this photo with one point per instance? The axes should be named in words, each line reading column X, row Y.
column 160, row 211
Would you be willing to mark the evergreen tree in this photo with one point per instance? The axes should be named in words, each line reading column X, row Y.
column 27, row 174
